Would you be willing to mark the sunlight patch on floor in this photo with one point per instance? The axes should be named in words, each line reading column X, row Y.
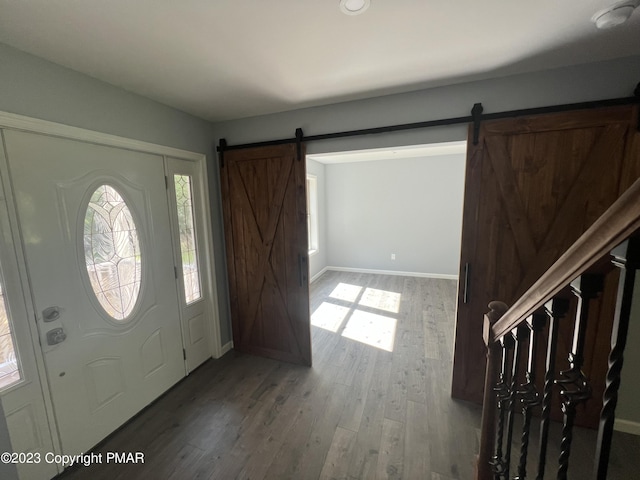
column 376, row 330
column 381, row 299
column 346, row 292
column 329, row 316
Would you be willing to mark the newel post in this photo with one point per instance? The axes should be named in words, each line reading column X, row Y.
column 489, row 405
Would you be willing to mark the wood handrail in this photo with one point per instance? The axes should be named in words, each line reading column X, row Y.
column 615, row 225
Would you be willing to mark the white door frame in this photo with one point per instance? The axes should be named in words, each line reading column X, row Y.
column 28, row 124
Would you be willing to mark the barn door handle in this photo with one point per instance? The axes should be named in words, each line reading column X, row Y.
column 465, row 287
column 302, row 268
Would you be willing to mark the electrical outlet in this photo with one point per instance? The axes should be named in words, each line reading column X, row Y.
column 393, row 256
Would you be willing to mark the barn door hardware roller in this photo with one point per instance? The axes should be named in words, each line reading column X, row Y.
column 476, row 115
column 222, row 146
column 299, row 136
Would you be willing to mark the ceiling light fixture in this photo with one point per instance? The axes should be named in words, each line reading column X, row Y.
column 615, row 15
column 355, row 7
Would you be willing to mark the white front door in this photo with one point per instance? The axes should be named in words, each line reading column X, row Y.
column 96, row 232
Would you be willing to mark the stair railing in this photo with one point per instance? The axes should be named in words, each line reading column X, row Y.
column 512, row 336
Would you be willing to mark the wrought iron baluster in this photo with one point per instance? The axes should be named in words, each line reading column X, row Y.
column 528, row 393
column 500, row 467
column 556, row 309
column 627, row 258
column 484, row 468
column 520, row 335
column 574, row 386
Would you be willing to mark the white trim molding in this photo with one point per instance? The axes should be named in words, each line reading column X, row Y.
column 225, row 348
column 387, row 272
column 35, row 125
column 627, row 426
column 318, row 275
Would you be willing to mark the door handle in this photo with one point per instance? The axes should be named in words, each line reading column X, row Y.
column 50, row 314
column 302, row 269
column 56, row 336
column 465, row 285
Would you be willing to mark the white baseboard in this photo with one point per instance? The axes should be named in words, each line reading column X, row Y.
column 389, row 272
column 627, row 426
column 226, row 347
column 318, row 275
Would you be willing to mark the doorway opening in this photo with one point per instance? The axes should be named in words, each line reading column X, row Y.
column 394, row 212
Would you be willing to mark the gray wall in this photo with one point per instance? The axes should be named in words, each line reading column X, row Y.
column 318, row 260
column 411, row 207
column 40, row 89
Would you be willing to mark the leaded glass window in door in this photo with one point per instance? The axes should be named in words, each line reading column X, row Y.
column 188, row 244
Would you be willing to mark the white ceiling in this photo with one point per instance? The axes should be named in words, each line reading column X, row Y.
column 225, row 59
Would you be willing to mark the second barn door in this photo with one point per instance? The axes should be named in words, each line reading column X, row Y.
column 533, row 186
column 264, row 204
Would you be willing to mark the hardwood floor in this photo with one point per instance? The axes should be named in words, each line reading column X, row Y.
column 369, row 408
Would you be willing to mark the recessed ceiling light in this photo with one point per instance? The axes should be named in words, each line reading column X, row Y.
column 615, row 15
column 354, row 7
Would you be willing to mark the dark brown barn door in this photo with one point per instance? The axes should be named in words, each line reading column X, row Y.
column 533, row 186
column 264, row 202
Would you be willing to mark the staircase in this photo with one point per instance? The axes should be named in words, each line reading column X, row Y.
column 526, row 381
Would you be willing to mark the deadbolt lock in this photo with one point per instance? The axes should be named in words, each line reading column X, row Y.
column 51, row 314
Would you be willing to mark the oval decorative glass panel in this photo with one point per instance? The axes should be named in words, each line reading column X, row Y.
column 112, row 252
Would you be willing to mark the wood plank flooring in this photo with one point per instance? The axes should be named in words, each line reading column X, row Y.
column 369, row 408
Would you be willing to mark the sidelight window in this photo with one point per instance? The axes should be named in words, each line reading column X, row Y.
column 188, row 245
column 9, row 370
